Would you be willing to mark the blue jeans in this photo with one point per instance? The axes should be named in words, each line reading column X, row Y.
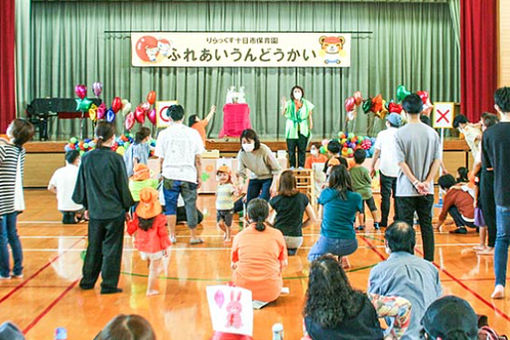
column 259, row 188
column 335, row 246
column 9, row 234
column 502, row 242
column 188, row 191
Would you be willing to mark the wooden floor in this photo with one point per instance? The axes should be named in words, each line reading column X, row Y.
column 48, row 296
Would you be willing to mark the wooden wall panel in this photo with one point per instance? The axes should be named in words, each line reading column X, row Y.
column 39, row 168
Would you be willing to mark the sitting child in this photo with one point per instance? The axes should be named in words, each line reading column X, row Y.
column 458, row 202
column 224, row 201
column 151, row 238
column 290, row 206
column 362, row 184
column 62, row 184
column 315, row 156
column 141, row 179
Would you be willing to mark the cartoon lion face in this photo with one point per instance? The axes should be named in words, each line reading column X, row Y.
column 331, row 45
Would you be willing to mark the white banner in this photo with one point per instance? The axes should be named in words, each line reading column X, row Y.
column 235, row 49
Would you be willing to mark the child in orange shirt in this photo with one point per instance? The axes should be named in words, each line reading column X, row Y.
column 315, row 156
column 151, row 238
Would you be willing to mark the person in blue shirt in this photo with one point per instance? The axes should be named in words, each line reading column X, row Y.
column 340, row 207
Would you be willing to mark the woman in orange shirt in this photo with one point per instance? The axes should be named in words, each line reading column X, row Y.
column 195, row 123
column 259, row 255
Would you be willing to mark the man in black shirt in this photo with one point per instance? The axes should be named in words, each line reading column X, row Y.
column 496, row 154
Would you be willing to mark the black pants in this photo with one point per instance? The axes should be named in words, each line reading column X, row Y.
column 68, row 217
column 104, row 253
column 423, row 206
column 488, row 205
column 460, row 222
column 181, row 215
column 299, row 143
column 388, row 189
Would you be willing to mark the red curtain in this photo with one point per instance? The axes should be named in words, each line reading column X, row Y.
column 478, row 54
column 7, row 73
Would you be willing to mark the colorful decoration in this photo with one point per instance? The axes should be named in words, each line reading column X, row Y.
column 120, row 146
column 350, row 142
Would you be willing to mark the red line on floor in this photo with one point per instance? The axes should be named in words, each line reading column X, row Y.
column 478, row 296
column 372, row 247
column 47, row 309
column 18, row 287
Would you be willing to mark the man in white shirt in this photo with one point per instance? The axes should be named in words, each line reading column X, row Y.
column 62, row 183
column 385, row 149
column 179, row 149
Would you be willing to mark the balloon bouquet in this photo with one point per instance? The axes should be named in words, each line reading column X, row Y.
column 350, row 142
column 143, row 110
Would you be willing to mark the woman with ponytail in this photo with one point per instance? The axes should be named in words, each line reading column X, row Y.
column 259, row 255
column 102, row 188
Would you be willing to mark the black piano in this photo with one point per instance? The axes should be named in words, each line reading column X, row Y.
column 41, row 109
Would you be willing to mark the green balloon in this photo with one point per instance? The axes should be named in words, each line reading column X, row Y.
column 322, row 150
column 367, row 105
column 83, row 104
column 73, row 140
column 402, row 92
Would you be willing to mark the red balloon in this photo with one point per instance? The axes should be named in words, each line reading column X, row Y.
column 129, row 122
column 152, row 116
column 146, row 106
column 424, row 95
column 116, row 104
column 81, row 91
column 140, row 115
column 358, row 98
column 101, row 111
column 349, row 104
column 394, row 108
column 151, row 97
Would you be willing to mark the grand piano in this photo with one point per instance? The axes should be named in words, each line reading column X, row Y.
column 41, row 109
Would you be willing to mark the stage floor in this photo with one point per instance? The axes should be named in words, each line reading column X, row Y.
column 48, row 296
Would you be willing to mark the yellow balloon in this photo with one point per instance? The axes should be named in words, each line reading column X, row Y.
column 93, row 112
column 121, row 150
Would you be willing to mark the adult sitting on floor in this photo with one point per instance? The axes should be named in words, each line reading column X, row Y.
column 259, row 255
column 458, row 202
column 406, row 275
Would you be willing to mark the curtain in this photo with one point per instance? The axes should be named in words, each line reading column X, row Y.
column 411, row 44
column 7, row 64
column 23, row 45
column 478, row 39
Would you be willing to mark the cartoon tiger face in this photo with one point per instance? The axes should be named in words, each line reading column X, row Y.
column 331, row 45
column 152, row 53
column 164, row 47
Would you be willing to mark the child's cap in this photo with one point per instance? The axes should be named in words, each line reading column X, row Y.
column 141, row 172
column 333, row 162
column 149, row 205
column 224, row 169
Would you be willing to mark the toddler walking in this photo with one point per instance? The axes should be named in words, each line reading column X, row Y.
column 224, row 201
column 151, row 238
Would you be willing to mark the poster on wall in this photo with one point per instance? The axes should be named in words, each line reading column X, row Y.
column 443, row 115
column 237, row 49
column 162, row 119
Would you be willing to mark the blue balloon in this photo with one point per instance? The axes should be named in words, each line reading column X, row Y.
column 110, row 116
column 67, row 148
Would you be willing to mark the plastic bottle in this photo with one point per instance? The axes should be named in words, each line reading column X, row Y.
column 277, row 331
column 60, row 333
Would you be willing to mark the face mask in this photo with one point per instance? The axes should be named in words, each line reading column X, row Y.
column 388, row 250
column 314, row 152
column 9, row 132
column 297, row 95
column 248, row 147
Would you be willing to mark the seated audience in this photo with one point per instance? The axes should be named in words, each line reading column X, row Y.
column 450, row 318
column 459, row 203
column 62, row 184
column 127, row 327
column 341, row 204
column 290, row 206
column 259, row 255
column 334, row 310
column 315, row 156
column 406, row 275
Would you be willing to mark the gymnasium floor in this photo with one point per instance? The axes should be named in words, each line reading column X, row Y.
column 47, row 297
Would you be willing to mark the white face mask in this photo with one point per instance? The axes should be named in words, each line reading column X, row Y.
column 9, row 132
column 387, row 250
column 248, row 147
column 297, row 94
column 314, row 152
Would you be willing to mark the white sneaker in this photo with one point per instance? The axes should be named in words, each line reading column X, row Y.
column 173, row 239
column 5, row 277
column 20, row 276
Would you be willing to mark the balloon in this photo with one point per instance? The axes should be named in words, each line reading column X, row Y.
column 402, row 92
column 140, row 115
column 358, row 98
column 129, row 122
column 151, row 97
column 97, row 87
column 325, row 142
column 384, row 111
column 349, row 104
column 394, row 108
column 116, row 104
column 351, row 115
column 110, row 116
column 367, row 105
column 101, row 111
column 93, row 112
column 219, row 298
column 80, row 90
column 424, row 95
column 152, row 116
column 120, row 150
column 73, row 140
column 83, row 104
column 323, row 150
column 126, row 107
column 145, row 106
column 377, row 104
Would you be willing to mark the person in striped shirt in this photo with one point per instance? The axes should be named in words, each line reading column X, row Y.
column 224, row 201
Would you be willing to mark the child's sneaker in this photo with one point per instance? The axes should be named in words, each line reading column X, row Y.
column 376, row 226
column 360, row 227
column 5, row 277
column 19, row 276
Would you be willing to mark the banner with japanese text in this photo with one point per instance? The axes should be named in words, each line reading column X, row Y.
column 235, row 49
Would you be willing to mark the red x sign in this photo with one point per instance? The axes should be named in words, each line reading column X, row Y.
column 443, row 115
